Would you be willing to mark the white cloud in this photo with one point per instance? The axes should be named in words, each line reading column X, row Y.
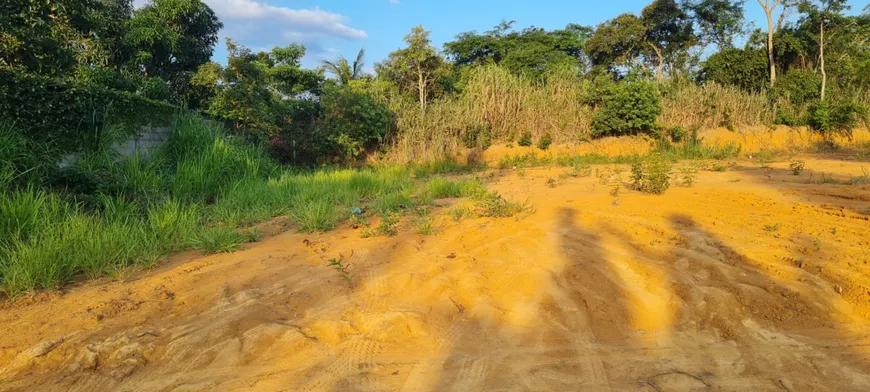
column 258, row 18
column 256, row 23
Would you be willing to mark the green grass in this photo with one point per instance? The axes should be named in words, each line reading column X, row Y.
column 218, row 240
column 669, row 151
column 440, row 188
column 202, row 189
column 493, row 205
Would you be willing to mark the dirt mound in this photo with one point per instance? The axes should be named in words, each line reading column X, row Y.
column 743, row 282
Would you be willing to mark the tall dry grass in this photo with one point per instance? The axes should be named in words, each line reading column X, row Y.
column 712, row 105
column 505, row 106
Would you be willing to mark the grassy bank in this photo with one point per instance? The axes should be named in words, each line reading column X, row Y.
column 202, row 189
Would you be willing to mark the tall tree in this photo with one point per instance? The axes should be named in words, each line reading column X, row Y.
column 416, row 67
column 823, row 13
column 719, row 21
column 532, row 50
column 770, row 7
column 660, row 38
column 173, row 38
column 253, row 88
column 52, row 37
column 617, row 42
column 669, row 32
column 344, row 70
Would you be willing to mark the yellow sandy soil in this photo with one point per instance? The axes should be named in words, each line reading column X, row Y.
column 750, row 140
column 683, row 291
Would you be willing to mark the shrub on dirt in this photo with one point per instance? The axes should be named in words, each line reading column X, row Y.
column 545, row 141
column 425, row 223
column 525, row 139
column 460, row 212
column 477, row 136
column 388, row 226
column 687, row 176
column 493, row 205
column 836, row 117
column 652, row 175
column 797, row 167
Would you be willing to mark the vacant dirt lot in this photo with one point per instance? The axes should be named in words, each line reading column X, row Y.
column 752, row 279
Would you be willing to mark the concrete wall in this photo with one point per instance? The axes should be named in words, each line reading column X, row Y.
column 145, row 142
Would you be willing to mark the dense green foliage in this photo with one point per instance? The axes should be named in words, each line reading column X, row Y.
column 350, row 122
column 532, row 50
column 626, row 108
column 50, row 110
column 743, row 68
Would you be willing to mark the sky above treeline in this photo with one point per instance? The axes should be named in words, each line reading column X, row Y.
column 329, row 28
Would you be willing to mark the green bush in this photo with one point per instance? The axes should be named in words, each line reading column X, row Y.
column 51, row 110
column 525, row 139
column 836, row 117
column 798, row 86
column 477, row 136
column 628, row 107
column 350, row 122
column 545, row 141
column 652, row 175
column 746, row 69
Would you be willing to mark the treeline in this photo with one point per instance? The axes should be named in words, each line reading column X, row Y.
column 671, row 68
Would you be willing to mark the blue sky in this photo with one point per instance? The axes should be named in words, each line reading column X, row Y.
column 332, row 27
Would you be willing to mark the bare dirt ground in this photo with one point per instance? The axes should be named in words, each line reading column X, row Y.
column 753, row 279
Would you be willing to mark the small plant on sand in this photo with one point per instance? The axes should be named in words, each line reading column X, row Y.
column 552, row 182
column 864, row 178
column 799, row 262
column 833, row 231
column 718, row 167
column 521, row 172
column 253, row 235
column 797, row 167
column 765, row 158
column 338, row 264
column 652, row 175
column 218, row 240
column 581, row 170
column 425, row 224
column 687, row 176
column 616, row 190
column 817, row 243
column 358, row 220
column 525, row 139
column 493, row 205
column 772, row 228
column 822, row 179
column 459, row 212
column 388, row 226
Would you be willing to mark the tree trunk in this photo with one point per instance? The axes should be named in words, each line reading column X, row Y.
column 421, row 88
column 770, row 59
column 822, row 58
column 660, row 67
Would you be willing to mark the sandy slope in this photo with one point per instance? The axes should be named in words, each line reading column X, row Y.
column 685, row 291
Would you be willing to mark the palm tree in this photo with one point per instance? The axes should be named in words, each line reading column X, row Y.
column 344, row 70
